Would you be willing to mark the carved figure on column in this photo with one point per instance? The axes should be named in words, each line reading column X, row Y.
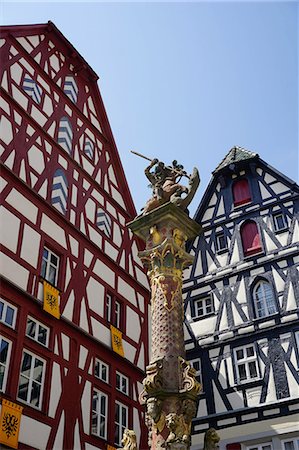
column 165, row 183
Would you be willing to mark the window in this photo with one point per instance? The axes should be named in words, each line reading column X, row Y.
column 291, row 444
column 31, row 379
column 32, row 88
column 280, row 222
column 250, row 238
column 113, row 311
column 196, row 364
column 70, row 88
column 246, row 363
column 99, row 414
column 89, row 148
column 8, row 313
column 122, row 383
column 264, row 301
column 65, row 134
column 121, row 421
column 50, row 266
column 203, row 307
column 59, row 192
column 104, row 222
column 221, row 242
column 37, row 331
column 5, row 349
column 101, row 370
column 241, row 193
column 267, row 446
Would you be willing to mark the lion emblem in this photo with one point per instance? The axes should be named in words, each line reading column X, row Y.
column 211, row 439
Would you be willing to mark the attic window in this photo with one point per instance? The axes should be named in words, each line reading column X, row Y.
column 70, row 88
column 250, row 238
column 241, row 193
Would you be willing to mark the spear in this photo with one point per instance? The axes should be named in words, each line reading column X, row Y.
column 179, row 172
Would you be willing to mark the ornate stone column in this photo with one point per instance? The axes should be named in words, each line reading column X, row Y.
column 170, row 388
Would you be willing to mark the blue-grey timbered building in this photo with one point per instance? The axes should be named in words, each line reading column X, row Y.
column 242, row 299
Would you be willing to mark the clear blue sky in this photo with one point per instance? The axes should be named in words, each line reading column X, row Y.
column 187, row 81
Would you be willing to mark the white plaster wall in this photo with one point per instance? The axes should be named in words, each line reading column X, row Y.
column 65, row 346
column 95, row 295
column 30, row 246
column 104, row 273
column 53, row 230
column 39, row 437
column 101, row 332
column 133, row 329
column 126, row 291
column 13, row 271
column 129, row 351
column 9, row 229
column 55, row 391
column 21, row 204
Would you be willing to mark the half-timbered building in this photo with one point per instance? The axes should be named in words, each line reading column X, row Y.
column 242, row 299
column 74, row 296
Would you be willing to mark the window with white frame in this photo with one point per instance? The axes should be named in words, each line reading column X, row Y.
column 121, row 421
column 37, row 331
column 31, row 379
column 122, row 383
column 221, row 243
column 101, row 370
column 291, row 444
column 5, row 350
column 113, row 311
column 196, row 364
column 280, row 222
column 203, row 307
column 50, row 266
column 246, row 363
column 99, row 414
column 267, row 446
column 264, row 300
column 8, row 313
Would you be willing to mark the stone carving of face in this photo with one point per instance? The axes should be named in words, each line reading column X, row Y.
column 154, row 407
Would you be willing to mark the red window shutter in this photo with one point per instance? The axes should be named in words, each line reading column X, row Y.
column 235, row 446
column 241, row 192
column 250, row 238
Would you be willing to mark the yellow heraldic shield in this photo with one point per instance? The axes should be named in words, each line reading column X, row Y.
column 51, row 300
column 10, row 421
column 117, row 340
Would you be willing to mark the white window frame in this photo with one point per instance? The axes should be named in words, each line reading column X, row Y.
column 98, row 413
column 276, row 227
column 121, row 426
column 117, row 314
column 294, row 441
column 264, row 301
column 246, row 361
column 204, row 307
column 49, row 265
column 7, row 305
column 6, row 363
column 260, row 446
column 120, row 379
column 102, row 366
column 38, row 325
column 218, row 247
column 31, row 380
column 109, row 302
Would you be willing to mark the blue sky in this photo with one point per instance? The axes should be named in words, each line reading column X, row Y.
column 187, row 81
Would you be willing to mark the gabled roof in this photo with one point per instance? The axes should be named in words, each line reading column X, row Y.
column 236, row 154
column 50, row 27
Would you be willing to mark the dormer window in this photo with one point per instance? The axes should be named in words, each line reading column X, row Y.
column 241, row 192
column 251, row 240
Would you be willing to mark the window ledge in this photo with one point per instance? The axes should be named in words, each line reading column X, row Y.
column 223, row 250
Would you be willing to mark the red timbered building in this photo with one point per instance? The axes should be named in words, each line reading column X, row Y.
column 74, row 296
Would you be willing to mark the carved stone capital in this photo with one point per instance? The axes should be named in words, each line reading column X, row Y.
column 190, row 385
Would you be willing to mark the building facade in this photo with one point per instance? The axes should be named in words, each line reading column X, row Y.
column 74, row 295
column 242, row 299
